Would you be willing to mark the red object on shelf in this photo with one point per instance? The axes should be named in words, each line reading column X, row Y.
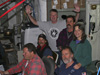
column 11, row 8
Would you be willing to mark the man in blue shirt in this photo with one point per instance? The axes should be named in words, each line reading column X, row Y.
column 67, row 68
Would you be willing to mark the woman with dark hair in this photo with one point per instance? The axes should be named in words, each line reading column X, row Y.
column 43, row 48
column 81, row 46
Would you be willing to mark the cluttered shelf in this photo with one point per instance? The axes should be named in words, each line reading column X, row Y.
column 70, row 9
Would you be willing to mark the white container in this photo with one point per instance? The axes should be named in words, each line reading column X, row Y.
column 31, row 35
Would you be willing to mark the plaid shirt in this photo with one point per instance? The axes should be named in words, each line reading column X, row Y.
column 63, row 38
column 34, row 67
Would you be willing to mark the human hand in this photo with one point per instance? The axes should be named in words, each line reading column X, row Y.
column 53, row 59
column 50, row 57
column 4, row 72
column 28, row 9
column 77, row 8
column 77, row 66
column 1, row 72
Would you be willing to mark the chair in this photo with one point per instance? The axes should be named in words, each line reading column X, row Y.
column 49, row 65
column 97, row 64
column 93, row 67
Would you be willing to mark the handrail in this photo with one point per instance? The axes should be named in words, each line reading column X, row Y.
column 4, row 2
column 12, row 8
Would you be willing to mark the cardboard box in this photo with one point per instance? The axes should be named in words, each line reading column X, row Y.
column 82, row 3
column 70, row 4
column 56, row 4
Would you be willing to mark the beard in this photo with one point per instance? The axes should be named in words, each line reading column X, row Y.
column 40, row 43
column 67, row 60
column 69, row 26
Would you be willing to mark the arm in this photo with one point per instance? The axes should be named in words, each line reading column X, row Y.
column 15, row 69
column 77, row 10
column 85, row 57
column 82, row 52
column 18, row 68
column 4, row 72
column 59, row 41
column 47, row 52
column 28, row 11
column 77, row 66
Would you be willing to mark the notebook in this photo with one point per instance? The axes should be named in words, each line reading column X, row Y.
column 55, row 56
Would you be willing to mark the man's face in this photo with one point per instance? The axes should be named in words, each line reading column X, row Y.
column 41, row 41
column 53, row 17
column 67, row 56
column 27, row 55
column 70, row 23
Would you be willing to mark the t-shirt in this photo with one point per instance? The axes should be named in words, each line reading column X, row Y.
column 52, row 31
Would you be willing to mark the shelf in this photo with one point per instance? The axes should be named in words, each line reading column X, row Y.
column 69, row 10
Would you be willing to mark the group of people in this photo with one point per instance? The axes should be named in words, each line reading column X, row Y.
column 67, row 38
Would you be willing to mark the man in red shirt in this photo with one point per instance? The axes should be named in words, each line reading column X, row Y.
column 30, row 65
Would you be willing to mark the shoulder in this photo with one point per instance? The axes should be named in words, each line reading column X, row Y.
column 37, row 62
column 63, row 30
column 36, row 59
column 61, row 21
column 62, row 66
column 72, row 42
column 87, row 42
column 48, row 49
column 43, row 22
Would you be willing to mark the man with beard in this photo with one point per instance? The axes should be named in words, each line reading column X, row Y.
column 43, row 48
column 67, row 68
column 66, row 35
column 53, row 27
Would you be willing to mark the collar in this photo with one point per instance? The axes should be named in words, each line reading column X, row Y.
column 41, row 48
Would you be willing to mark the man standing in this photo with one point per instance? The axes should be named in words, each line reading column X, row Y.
column 66, row 35
column 67, row 68
column 30, row 65
column 51, row 28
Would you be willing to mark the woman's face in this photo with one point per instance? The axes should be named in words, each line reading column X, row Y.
column 41, row 41
column 78, row 33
